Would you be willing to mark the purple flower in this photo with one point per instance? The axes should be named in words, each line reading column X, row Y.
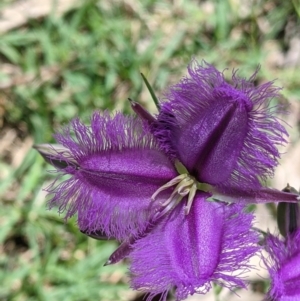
column 147, row 183
column 284, row 261
column 284, row 267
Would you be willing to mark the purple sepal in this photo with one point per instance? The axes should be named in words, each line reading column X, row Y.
column 141, row 112
column 119, row 168
column 187, row 252
column 56, row 155
column 225, row 134
column 98, row 235
column 284, row 267
column 262, row 195
column 121, row 252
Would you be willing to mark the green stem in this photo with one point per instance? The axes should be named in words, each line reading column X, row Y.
column 151, row 91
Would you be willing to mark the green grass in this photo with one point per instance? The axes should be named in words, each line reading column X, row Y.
column 90, row 59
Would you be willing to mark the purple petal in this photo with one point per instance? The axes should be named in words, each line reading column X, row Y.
column 284, row 267
column 212, row 243
column 119, row 168
column 225, row 134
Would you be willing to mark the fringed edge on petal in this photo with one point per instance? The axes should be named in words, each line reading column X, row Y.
column 140, row 256
column 240, row 243
column 181, row 99
column 162, row 130
column 279, row 251
column 65, row 196
column 106, row 132
column 259, row 155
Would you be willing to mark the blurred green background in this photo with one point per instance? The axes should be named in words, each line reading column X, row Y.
column 66, row 58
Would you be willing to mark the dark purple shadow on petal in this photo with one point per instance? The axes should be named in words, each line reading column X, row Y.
column 210, row 144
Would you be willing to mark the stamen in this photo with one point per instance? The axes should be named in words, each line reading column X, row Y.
column 169, row 184
column 169, row 200
column 168, row 208
column 186, row 185
column 190, row 199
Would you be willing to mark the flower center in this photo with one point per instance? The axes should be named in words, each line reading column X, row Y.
column 185, row 185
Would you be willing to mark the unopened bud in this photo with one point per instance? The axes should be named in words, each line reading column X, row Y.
column 288, row 215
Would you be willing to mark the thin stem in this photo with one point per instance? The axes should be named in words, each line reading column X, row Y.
column 151, row 91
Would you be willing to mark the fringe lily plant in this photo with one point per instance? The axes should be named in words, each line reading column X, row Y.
column 173, row 188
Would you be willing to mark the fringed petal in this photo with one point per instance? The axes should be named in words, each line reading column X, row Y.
column 212, row 243
column 284, row 267
column 225, row 134
column 119, row 167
